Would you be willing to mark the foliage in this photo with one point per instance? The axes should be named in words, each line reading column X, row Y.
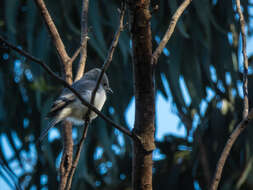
column 203, row 52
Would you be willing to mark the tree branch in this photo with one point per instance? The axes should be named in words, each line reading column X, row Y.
column 32, row 58
column 74, row 56
column 169, row 31
column 114, row 43
column 246, row 117
column 77, row 155
column 84, row 39
column 232, row 138
column 53, row 31
column 105, row 66
column 245, row 65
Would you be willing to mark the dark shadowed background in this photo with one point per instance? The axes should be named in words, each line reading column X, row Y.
column 198, row 78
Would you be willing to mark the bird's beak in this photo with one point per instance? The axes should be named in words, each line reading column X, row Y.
column 109, row 90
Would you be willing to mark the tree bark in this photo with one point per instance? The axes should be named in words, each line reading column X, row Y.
column 144, row 94
column 67, row 156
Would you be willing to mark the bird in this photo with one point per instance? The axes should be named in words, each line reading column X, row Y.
column 68, row 107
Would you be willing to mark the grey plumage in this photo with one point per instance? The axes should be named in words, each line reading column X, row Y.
column 68, row 106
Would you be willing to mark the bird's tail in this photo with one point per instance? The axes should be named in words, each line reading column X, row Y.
column 52, row 123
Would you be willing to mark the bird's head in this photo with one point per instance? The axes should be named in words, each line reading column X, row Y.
column 94, row 75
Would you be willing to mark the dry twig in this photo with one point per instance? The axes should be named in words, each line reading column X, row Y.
column 246, row 117
column 169, row 31
column 77, row 155
column 245, row 58
column 84, row 39
column 114, row 43
column 76, row 53
column 232, row 138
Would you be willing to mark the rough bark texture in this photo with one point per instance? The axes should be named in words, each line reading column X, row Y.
column 67, row 156
column 144, row 94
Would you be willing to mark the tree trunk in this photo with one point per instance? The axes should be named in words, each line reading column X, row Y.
column 144, row 94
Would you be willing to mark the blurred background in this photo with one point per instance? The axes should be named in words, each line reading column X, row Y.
column 198, row 96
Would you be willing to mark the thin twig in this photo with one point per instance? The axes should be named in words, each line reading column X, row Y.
column 53, row 31
column 65, row 84
column 169, row 31
column 114, row 43
column 245, row 57
column 232, row 138
column 77, row 155
column 84, row 39
column 246, row 116
column 74, row 56
column 105, row 66
column 32, row 58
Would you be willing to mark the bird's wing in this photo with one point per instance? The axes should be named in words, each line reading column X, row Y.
column 67, row 97
column 59, row 104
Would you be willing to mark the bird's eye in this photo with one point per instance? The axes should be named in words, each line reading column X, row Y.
column 104, row 84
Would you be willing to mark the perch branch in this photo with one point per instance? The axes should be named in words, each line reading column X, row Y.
column 114, row 43
column 105, row 66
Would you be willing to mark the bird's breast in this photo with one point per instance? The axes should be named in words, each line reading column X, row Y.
column 78, row 110
column 100, row 99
